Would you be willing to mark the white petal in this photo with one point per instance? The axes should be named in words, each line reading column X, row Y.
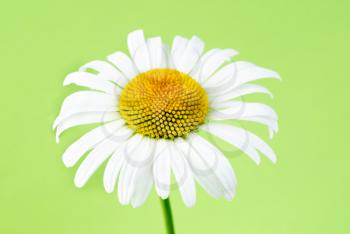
column 139, row 51
column 196, row 70
column 240, row 138
column 84, row 118
column 247, row 72
column 166, row 57
column 113, row 168
column 269, row 122
column 142, row 187
column 177, row 49
column 241, row 110
column 208, row 182
column 106, row 71
column 126, row 183
column 88, row 141
column 135, row 40
column 161, row 169
column 211, row 162
column 138, row 156
column 179, row 45
column 142, row 59
column 255, row 112
column 139, row 150
column 95, row 158
column 229, row 78
column 183, row 176
column 239, row 91
column 125, row 65
column 223, row 79
column 143, row 179
column 91, row 81
column 156, row 52
column 186, row 61
column 86, row 101
column 214, row 61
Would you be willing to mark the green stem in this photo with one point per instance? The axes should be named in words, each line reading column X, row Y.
column 168, row 217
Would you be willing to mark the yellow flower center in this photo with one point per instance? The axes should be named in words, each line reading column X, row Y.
column 163, row 103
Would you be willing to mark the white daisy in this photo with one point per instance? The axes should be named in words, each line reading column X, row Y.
column 151, row 107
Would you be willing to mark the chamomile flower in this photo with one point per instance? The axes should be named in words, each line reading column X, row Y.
column 151, row 105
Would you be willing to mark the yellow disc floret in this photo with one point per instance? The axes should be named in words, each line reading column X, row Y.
column 163, row 103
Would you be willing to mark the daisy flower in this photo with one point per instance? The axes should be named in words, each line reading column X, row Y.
column 152, row 106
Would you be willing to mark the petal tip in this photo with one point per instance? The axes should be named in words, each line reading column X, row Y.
column 67, row 80
column 136, row 31
column 78, row 183
column 190, row 204
column 108, row 188
column 66, row 162
column 57, row 138
column 278, row 76
column 163, row 196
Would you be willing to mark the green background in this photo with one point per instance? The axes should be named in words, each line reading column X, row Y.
column 307, row 42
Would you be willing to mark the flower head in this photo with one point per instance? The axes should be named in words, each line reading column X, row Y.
column 152, row 107
column 163, row 103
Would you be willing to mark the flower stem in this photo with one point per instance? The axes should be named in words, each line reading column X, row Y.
column 168, row 217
